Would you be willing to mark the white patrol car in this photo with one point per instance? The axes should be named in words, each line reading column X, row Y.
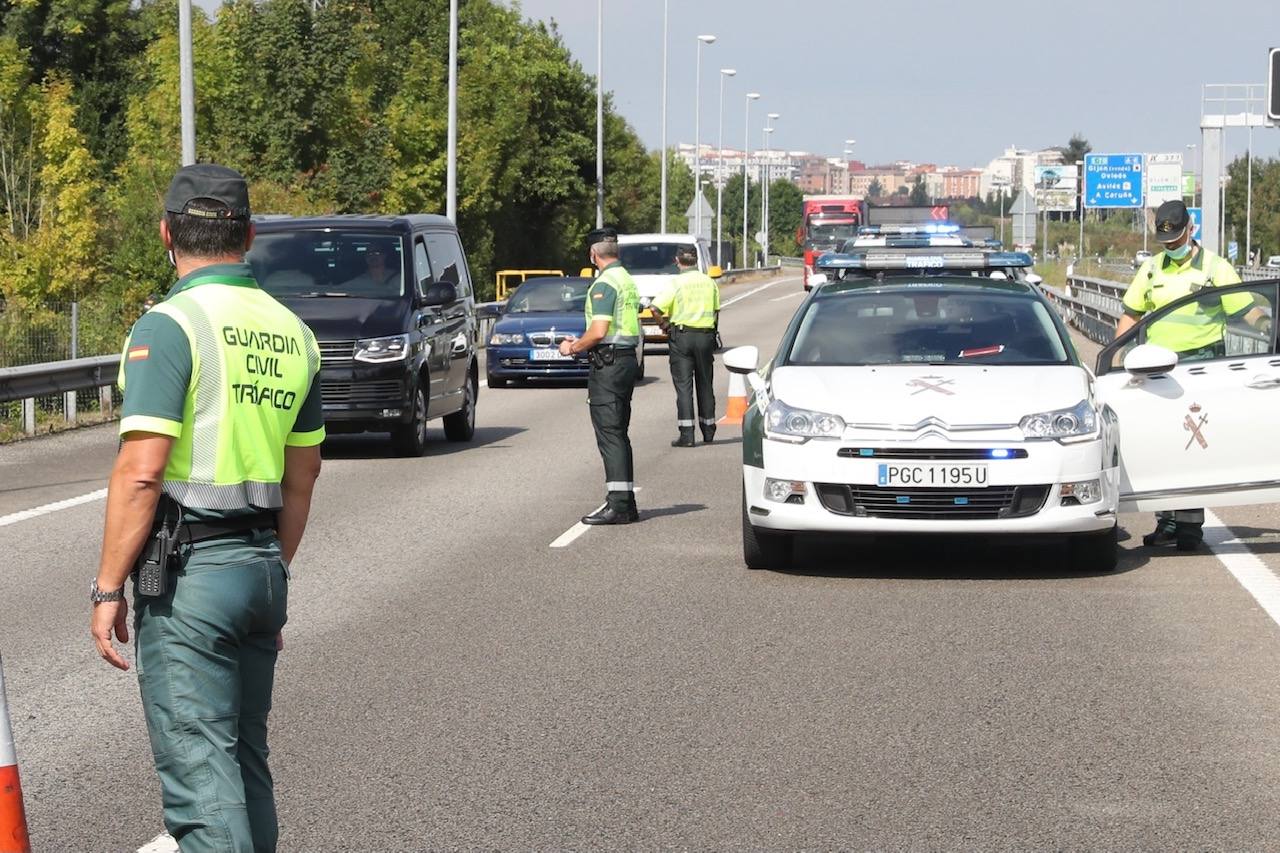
column 914, row 393
column 651, row 260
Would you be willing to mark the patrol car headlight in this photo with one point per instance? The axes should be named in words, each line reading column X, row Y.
column 378, row 350
column 499, row 339
column 1079, row 421
column 791, row 424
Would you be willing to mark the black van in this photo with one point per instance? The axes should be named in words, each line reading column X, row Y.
column 391, row 303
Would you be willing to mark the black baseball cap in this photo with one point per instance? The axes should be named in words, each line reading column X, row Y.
column 1172, row 220
column 599, row 235
column 209, row 191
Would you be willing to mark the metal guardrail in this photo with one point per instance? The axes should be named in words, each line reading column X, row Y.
column 68, row 377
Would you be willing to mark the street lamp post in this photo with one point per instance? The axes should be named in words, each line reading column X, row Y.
column 186, row 83
column 697, row 143
column 599, row 113
column 662, row 215
column 724, row 72
column 746, row 183
column 764, row 200
column 451, row 157
column 1195, row 183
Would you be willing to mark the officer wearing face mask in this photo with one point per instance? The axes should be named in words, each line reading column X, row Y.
column 1195, row 331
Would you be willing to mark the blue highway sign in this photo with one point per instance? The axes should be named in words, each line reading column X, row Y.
column 1197, row 221
column 1113, row 180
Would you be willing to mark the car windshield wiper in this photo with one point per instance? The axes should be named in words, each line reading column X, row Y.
column 316, row 294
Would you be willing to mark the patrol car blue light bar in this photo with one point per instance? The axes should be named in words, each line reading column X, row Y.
column 923, row 241
column 909, row 229
column 901, row 260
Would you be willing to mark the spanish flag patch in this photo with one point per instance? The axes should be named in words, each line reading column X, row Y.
column 140, row 353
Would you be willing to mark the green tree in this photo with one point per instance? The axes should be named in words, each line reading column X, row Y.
column 786, row 204
column 875, row 189
column 1265, row 216
column 919, row 193
column 1076, row 148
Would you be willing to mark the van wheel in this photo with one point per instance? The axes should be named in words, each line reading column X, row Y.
column 461, row 425
column 411, row 439
column 1095, row 552
column 764, row 549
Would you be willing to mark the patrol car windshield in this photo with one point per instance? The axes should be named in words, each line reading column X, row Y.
column 328, row 263
column 651, row 258
column 565, row 295
column 926, row 325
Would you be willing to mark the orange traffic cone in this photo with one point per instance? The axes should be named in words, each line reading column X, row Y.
column 13, row 818
column 737, row 405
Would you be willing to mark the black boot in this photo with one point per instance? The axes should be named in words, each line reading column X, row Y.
column 1166, row 533
column 609, row 515
column 1190, row 536
column 708, row 434
column 685, row 439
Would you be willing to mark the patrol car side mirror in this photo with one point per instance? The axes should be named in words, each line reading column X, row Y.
column 1150, row 360
column 742, row 359
column 439, row 293
column 817, row 279
column 714, row 271
column 1032, row 278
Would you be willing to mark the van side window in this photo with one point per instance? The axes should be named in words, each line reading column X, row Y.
column 421, row 266
column 448, row 262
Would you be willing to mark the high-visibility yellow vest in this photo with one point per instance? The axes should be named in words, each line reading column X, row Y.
column 692, row 299
column 1194, row 326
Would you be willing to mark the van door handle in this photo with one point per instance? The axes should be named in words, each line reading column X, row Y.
column 1263, row 381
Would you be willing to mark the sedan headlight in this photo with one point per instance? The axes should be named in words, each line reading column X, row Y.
column 503, row 339
column 791, row 424
column 378, row 350
column 1080, row 420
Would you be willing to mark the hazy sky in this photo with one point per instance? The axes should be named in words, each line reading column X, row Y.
column 930, row 81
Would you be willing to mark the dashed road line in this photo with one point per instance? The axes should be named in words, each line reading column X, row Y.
column 36, row 512
column 1247, row 567
column 791, row 295
column 759, row 289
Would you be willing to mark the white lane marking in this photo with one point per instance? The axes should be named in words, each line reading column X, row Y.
column 14, row 518
column 484, row 383
column 1249, row 569
column 564, row 540
column 757, row 290
column 791, row 295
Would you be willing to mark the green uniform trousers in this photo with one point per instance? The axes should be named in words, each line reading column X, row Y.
column 693, row 353
column 609, row 390
column 206, row 653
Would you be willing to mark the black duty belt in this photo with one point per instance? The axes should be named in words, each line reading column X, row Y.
column 704, row 330
column 614, row 348
column 202, row 531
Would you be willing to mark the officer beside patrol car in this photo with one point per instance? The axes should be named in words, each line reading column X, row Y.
column 221, row 428
column 1195, row 331
column 612, row 338
column 690, row 309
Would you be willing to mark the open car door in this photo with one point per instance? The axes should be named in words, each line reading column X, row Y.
column 1198, row 429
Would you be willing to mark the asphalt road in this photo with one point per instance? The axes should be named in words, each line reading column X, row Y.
column 451, row 681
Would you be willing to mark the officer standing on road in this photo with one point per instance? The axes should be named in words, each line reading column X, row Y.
column 221, row 429
column 690, row 306
column 613, row 333
column 1195, row 331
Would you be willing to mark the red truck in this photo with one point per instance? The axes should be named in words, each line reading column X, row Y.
column 827, row 221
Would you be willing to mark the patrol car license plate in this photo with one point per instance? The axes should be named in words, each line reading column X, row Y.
column 926, row 476
column 548, row 354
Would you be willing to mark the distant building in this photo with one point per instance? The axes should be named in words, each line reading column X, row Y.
column 1016, row 170
column 782, row 164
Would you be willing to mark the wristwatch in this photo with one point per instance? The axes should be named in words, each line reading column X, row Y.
column 98, row 596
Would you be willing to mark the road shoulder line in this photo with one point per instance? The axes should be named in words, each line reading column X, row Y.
column 1247, row 567
column 36, row 512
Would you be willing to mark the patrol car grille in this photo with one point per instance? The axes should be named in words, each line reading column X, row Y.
column 944, row 454
column 932, row 504
column 337, row 353
column 376, row 394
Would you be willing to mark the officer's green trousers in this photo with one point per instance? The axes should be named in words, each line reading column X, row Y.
column 206, row 661
column 693, row 354
column 609, row 390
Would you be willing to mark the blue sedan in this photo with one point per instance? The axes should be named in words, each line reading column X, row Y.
column 525, row 341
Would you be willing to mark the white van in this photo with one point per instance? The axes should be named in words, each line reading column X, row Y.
column 651, row 260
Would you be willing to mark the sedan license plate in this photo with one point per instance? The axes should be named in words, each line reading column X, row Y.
column 926, row 476
column 548, row 354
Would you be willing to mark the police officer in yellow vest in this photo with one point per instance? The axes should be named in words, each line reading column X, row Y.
column 611, row 338
column 689, row 307
column 1195, row 331
column 221, row 429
